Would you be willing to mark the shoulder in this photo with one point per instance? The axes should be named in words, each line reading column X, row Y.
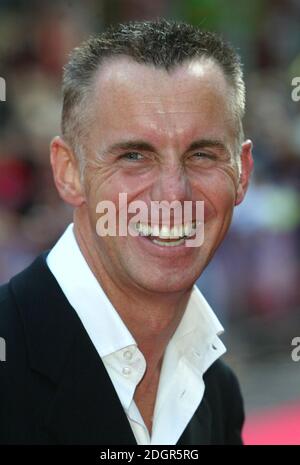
column 223, row 393
column 7, row 309
column 221, row 382
column 23, row 283
column 5, row 295
column 11, row 332
column 221, row 374
column 14, row 298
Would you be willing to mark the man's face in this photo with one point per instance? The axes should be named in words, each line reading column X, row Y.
column 182, row 133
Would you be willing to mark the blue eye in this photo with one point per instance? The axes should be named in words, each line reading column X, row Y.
column 132, row 156
column 204, row 155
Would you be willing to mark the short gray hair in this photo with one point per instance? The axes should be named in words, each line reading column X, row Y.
column 162, row 43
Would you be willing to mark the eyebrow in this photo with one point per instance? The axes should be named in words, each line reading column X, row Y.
column 132, row 145
column 146, row 146
column 207, row 143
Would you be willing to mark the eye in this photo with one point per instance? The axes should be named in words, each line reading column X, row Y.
column 209, row 156
column 132, row 156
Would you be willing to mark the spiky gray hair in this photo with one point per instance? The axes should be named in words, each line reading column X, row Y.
column 162, row 43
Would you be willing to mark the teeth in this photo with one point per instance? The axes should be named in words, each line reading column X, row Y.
column 154, row 231
column 188, row 229
column 165, row 232
column 169, row 244
column 178, row 231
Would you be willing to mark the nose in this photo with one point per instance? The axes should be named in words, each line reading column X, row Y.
column 171, row 184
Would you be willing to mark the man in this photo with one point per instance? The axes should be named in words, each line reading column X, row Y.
column 107, row 339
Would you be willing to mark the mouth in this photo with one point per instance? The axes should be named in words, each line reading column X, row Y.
column 165, row 236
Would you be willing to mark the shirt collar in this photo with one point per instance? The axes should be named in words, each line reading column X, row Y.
column 102, row 322
column 196, row 334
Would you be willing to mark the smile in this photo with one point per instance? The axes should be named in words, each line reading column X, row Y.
column 165, row 236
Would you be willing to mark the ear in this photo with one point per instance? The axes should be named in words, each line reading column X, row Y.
column 246, row 170
column 66, row 172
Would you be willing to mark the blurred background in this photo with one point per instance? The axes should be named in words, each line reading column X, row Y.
column 253, row 283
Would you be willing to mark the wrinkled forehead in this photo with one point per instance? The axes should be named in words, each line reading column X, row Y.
column 124, row 77
column 192, row 94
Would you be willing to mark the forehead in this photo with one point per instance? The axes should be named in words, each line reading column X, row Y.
column 133, row 97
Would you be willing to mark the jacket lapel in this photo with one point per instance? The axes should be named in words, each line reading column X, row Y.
column 84, row 408
column 198, row 431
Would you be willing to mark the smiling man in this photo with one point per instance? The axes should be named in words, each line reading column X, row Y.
column 108, row 340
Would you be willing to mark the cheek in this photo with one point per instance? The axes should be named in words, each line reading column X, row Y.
column 217, row 188
column 106, row 187
column 107, row 182
column 101, row 185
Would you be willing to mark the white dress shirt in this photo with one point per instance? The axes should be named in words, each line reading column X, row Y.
column 194, row 346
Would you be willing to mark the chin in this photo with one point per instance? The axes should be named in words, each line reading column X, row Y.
column 170, row 282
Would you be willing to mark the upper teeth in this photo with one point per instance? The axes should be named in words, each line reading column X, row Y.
column 164, row 232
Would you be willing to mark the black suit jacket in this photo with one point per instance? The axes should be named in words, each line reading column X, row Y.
column 54, row 388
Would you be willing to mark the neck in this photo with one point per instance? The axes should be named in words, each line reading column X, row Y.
column 152, row 318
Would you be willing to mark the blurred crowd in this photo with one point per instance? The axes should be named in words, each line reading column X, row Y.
column 255, row 276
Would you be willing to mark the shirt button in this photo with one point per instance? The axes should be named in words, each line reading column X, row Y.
column 126, row 371
column 127, row 355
